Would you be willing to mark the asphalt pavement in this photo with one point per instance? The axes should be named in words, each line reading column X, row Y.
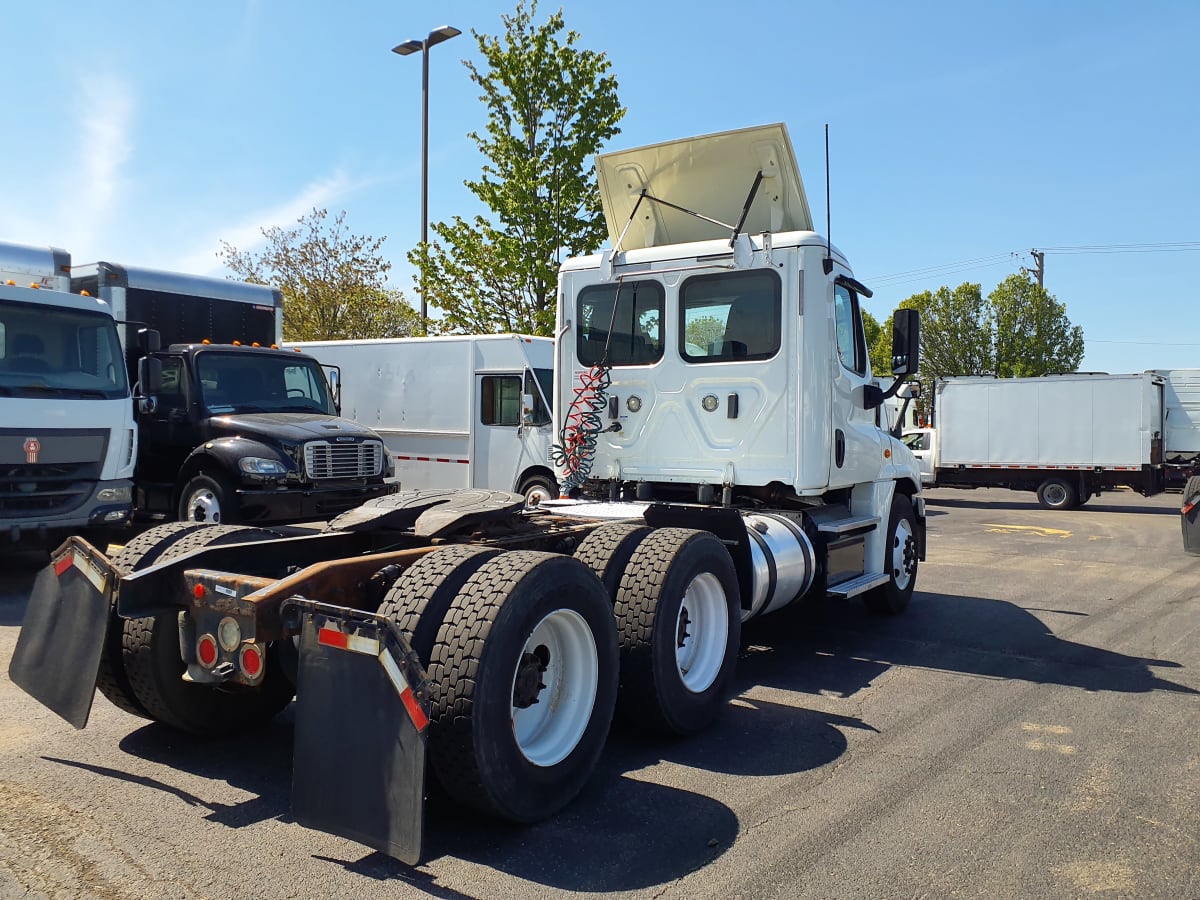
column 1030, row 727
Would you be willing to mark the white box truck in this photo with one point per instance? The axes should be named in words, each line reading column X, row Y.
column 1067, row 437
column 714, row 375
column 67, row 435
column 459, row 411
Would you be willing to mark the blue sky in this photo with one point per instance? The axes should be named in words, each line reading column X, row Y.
column 960, row 132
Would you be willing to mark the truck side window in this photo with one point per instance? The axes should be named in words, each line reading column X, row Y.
column 636, row 338
column 541, row 415
column 172, row 401
column 500, row 400
column 730, row 316
column 851, row 345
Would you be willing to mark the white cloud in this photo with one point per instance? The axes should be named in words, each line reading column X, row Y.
column 105, row 116
column 246, row 234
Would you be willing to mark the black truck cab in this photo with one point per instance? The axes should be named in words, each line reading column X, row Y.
column 250, row 434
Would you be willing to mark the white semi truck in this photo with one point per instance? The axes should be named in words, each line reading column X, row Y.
column 717, row 427
column 67, row 435
column 456, row 411
column 1066, row 437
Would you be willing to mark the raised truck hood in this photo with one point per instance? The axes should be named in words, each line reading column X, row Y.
column 710, row 175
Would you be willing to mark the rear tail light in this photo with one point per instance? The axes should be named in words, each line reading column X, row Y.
column 206, row 651
column 251, row 661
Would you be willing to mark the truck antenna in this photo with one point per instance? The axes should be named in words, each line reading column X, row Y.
column 827, row 263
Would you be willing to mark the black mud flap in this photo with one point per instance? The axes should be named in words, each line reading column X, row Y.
column 1190, row 522
column 359, row 759
column 58, row 650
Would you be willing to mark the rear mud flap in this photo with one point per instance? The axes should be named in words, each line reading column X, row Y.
column 359, row 758
column 58, row 650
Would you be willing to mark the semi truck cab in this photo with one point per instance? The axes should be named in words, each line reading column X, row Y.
column 245, row 434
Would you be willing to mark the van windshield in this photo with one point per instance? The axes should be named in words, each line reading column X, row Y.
column 261, row 382
column 56, row 352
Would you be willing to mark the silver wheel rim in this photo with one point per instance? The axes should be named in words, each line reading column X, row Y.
column 903, row 551
column 549, row 729
column 1055, row 494
column 537, row 495
column 701, row 632
column 203, row 506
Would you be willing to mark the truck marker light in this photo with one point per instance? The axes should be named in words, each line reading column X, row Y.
column 251, row 661
column 206, row 650
column 887, row 453
column 198, row 592
column 407, row 697
column 206, row 341
column 237, row 343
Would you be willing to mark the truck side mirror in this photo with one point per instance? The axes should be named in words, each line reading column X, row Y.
column 334, row 376
column 910, row 390
column 906, row 342
column 149, row 341
column 149, row 382
column 527, row 409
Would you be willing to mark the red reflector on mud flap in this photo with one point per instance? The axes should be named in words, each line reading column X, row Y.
column 1188, row 507
column 63, row 563
column 331, row 638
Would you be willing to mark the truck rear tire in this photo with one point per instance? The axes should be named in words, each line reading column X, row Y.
column 523, row 680
column 418, row 600
column 139, row 553
column 1057, row 493
column 154, row 666
column 607, row 550
column 210, row 499
column 900, row 561
column 679, row 621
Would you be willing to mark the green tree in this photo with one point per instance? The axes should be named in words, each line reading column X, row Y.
column 1032, row 332
column 550, row 106
column 333, row 282
column 703, row 330
column 879, row 344
column 956, row 331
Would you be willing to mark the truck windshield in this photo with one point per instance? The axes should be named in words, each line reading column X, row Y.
column 49, row 351
column 261, row 382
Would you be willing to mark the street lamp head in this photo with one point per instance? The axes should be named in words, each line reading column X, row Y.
column 408, row 47
column 442, row 34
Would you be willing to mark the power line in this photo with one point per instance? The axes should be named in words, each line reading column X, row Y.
column 1142, row 343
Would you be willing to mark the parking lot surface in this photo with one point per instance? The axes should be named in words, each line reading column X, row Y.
column 1030, row 727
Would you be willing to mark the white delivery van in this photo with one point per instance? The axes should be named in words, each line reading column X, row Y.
column 460, row 411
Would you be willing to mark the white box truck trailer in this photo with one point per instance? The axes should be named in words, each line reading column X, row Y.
column 459, row 411
column 1067, row 437
column 67, row 434
column 721, row 378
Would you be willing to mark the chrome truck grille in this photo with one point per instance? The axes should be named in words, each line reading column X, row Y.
column 360, row 460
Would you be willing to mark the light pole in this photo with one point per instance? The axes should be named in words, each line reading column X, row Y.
column 414, row 46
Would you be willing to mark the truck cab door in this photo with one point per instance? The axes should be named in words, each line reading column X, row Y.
column 498, row 445
column 167, row 434
column 857, row 442
column 921, row 445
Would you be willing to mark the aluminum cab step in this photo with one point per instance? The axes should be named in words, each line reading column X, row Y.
column 844, row 527
column 859, row 585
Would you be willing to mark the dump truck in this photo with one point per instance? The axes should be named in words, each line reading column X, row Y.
column 715, row 415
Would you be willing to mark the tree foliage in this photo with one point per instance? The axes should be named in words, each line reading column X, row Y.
column 550, row 106
column 333, row 282
column 1018, row 330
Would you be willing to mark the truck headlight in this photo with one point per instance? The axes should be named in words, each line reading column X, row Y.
column 256, row 465
column 115, row 494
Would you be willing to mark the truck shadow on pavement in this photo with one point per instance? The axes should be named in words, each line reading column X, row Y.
column 627, row 832
column 978, row 636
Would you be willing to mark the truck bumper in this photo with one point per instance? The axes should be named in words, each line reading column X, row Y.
column 298, row 504
column 109, row 506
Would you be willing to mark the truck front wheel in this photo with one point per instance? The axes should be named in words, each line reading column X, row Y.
column 523, row 680
column 210, row 499
column 679, row 619
column 1057, row 493
column 899, row 560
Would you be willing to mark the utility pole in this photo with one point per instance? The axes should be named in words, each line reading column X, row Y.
column 1041, row 264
